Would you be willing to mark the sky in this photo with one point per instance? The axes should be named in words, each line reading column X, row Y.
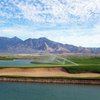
column 75, row 22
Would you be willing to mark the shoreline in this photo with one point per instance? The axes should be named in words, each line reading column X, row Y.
column 50, row 80
column 47, row 75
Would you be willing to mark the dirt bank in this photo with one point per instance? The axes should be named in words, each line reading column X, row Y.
column 46, row 75
column 51, row 80
column 43, row 72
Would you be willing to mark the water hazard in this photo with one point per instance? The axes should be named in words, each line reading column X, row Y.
column 15, row 63
column 31, row 91
column 40, row 60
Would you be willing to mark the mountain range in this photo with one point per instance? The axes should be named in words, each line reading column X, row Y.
column 40, row 45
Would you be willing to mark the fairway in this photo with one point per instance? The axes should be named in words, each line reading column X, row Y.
column 85, row 59
column 85, row 63
column 71, row 63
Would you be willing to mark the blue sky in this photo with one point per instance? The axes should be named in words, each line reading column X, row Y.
column 74, row 22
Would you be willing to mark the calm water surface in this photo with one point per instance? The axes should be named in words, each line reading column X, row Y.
column 31, row 91
column 16, row 63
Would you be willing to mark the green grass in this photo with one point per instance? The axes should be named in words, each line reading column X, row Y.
column 85, row 63
column 37, row 66
column 6, row 58
column 83, row 69
column 85, row 59
column 53, row 77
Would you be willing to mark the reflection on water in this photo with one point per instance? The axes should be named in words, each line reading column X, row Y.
column 31, row 91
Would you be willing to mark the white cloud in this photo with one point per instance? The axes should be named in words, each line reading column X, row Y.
column 29, row 12
column 65, row 12
column 2, row 22
column 20, row 31
column 86, row 41
column 54, row 10
column 71, row 36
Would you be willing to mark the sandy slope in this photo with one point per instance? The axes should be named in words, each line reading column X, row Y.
column 42, row 72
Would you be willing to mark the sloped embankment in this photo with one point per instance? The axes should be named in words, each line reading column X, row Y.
column 43, row 72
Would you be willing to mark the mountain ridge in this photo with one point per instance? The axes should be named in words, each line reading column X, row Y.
column 40, row 45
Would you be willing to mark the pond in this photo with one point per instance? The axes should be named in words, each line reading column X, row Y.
column 34, row 91
column 13, row 63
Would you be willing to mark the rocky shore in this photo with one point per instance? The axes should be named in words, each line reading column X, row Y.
column 51, row 80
